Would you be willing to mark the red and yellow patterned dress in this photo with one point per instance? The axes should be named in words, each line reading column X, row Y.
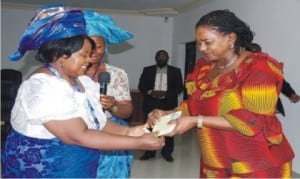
column 246, row 97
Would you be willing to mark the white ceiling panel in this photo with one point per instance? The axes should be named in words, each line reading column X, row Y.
column 145, row 7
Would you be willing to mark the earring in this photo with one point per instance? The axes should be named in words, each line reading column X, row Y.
column 231, row 46
column 240, row 49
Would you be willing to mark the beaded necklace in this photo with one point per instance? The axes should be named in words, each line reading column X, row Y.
column 231, row 62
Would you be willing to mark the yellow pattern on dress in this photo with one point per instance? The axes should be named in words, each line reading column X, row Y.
column 264, row 97
column 208, row 150
column 240, row 167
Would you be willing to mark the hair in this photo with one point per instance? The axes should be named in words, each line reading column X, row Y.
column 226, row 22
column 55, row 49
column 161, row 51
column 254, row 47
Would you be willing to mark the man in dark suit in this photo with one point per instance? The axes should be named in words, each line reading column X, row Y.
column 160, row 85
column 288, row 91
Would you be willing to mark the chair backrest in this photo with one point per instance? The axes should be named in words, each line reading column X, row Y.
column 11, row 75
column 10, row 82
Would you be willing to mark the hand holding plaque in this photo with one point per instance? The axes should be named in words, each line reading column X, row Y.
column 162, row 126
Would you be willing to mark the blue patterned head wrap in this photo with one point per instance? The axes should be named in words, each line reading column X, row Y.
column 51, row 22
column 104, row 26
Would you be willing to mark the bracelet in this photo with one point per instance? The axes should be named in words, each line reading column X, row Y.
column 200, row 121
column 127, row 131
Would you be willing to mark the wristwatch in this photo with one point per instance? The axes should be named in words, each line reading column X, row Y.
column 114, row 108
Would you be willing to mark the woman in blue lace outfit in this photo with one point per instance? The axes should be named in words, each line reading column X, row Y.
column 57, row 119
column 117, row 101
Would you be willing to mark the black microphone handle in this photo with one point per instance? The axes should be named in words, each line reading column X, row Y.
column 103, row 88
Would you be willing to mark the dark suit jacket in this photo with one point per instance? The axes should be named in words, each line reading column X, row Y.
column 147, row 82
column 287, row 90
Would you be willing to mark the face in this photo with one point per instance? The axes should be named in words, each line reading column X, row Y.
column 214, row 44
column 78, row 62
column 162, row 59
column 99, row 51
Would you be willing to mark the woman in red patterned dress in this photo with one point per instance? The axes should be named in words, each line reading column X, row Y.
column 232, row 101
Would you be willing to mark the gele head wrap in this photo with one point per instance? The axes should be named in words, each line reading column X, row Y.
column 51, row 22
column 104, row 26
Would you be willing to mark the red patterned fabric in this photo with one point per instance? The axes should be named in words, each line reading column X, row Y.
column 282, row 171
column 247, row 98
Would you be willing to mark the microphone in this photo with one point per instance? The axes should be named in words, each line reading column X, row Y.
column 103, row 79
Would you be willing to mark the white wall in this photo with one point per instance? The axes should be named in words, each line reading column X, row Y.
column 276, row 25
column 151, row 34
column 13, row 23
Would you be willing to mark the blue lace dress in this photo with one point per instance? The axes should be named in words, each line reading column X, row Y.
column 27, row 157
column 115, row 163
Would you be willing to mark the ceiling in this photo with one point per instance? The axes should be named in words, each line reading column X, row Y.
column 142, row 7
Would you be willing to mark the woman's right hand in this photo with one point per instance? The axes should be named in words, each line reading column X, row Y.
column 151, row 142
column 153, row 116
column 107, row 102
column 183, row 124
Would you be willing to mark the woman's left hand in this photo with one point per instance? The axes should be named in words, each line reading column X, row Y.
column 294, row 98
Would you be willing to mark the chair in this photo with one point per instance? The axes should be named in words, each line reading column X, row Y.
column 10, row 82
